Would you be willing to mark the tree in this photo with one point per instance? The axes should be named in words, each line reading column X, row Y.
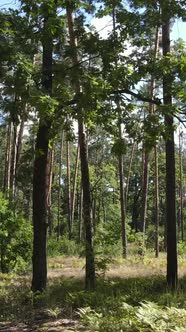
column 170, row 159
column 40, row 176
column 90, row 266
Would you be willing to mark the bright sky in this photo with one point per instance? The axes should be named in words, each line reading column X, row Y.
column 179, row 30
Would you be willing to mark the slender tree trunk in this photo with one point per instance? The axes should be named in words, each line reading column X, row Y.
column 13, row 161
column 68, row 190
column 120, row 161
column 90, row 265
column 104, row 211
column 170, row 163
column 49, row 196
column 59, row 185
column 122, row 205
column 19, row 143
column 40, row 178
column 6, row 187
column 128, row 174
column 80, row 213
column 74, row 186
column 147, row 153
column 156, row 180
column 144, row 192
column 181, row 185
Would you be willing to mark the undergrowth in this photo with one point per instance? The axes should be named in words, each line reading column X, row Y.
column 133, row 304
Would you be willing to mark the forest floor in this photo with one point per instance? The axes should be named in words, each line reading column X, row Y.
column 56, row 310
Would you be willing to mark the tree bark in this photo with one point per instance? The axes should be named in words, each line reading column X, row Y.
column 68, row 191
column 181, row 186
column 40, row 178
column 157, row 214
column 13, row 162
column 128, row 174
column 8, row 159
column 122, row 205
column 74, row 186
column 49, row 196
column 59, row 185
column 170, row 163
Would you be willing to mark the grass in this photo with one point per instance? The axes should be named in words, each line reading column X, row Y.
column 132, row 282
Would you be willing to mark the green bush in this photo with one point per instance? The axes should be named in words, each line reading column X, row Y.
column 63, row 246
column 15, row 239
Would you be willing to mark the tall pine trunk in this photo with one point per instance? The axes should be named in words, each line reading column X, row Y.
column 40, row 178
column 170, row 162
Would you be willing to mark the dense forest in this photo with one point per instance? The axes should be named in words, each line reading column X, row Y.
column 92, row 166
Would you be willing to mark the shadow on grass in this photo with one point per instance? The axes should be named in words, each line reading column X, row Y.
column 65, row 295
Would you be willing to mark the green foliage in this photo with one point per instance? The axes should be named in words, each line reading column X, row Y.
column 15, row 239
column 146, row 317
column 63, row 246
column 181, row 248
column 119, row 147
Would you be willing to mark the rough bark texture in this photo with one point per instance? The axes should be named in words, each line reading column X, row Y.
column 90, row 266
column 40, row 176
column 170, row 166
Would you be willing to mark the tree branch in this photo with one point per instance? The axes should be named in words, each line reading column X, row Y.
column 138, row 96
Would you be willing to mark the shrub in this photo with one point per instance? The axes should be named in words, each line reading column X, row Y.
column 15, row 238
column 63, row 246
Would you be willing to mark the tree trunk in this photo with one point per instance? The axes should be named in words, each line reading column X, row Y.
column 156, row 180
column 170, row 163
column 181, row 186
column 122, row 205
column 13, row 161
column 90, row 265
column 68, row 191
column 80, row 213
column 128, row 174
column 145, row 182
column 49, row 196
column 8, row 159
column 19, row 143
column 74, row 186
column 40, row 178
column 59, row 185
